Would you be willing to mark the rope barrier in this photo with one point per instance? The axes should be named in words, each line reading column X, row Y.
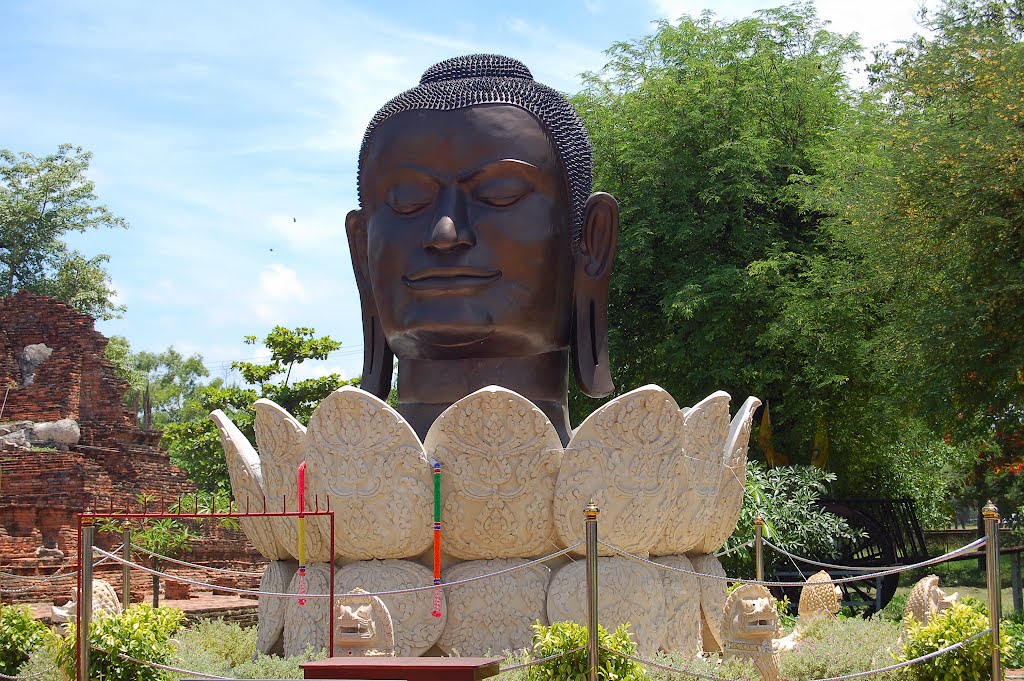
column 841, row 580
column 734, row 549
column 165, row 667
column 930, row 561
column 532, row 663
column 195, row 565
column 36, row 675
column 844, row 677
column 394, row 592
column 54, row 577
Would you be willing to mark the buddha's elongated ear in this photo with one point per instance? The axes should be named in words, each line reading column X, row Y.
column 592, row 272
column 378, row 360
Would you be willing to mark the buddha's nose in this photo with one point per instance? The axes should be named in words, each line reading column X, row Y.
column 450, row 231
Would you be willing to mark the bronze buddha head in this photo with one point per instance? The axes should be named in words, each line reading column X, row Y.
column 480, row 255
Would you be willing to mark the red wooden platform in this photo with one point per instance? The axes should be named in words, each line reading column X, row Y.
column 407, row 668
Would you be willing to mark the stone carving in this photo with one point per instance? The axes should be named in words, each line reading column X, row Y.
column 362, row 626
column 104, row 599
column 367, row 459
column 271, row 609
column 926, row 600
column 416, row 630
column 819, row 598
column 494, row 614
column 629, row 592
column 682, row 605
column 706, row 427
column 751, row 622
column 627, row 456
column 281, row 442
column 246, row 478
column 500, row 458
column 63, row 433
column 712, row 600
column 729, row 501
column 29, row 359
column 306, row 624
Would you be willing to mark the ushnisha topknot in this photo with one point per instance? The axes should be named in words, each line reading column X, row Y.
column 493, row 79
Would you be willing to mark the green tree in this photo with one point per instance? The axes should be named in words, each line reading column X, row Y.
column 195, row 444
column 701, row 131
column 925, row 188
column 42, row 199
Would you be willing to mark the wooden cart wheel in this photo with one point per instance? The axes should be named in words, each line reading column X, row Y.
column 874, row 549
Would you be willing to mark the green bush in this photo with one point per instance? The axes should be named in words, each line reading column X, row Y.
column 971, row 662
column 708, row 665
column 141, row 631
column 20, row 634
column 786, row 497
column 273, row 667
column 837, row 646
column 214, row 646
column 562, row 637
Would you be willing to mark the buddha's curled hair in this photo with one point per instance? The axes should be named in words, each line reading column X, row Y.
column 493, row 79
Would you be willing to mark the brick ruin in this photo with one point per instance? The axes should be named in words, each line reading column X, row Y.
column 42, row 491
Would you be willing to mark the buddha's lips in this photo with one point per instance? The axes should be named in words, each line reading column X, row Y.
column 450, row 277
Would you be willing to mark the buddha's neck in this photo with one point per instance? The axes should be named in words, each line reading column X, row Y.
column 428, row 387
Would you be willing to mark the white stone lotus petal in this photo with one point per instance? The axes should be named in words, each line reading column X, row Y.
column 706, row 432
column 281, row 440
column 247, row 486
column 682, row 606
column 500, row 457
column 416, row 629
column 271, row 609
column 363, row 455
column 625, row 456
column 712, row 600
column 627, row 592
column 493, row 614
column 729, row 502
column 307, row 624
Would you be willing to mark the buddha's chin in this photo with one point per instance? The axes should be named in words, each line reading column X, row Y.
column 441, row 343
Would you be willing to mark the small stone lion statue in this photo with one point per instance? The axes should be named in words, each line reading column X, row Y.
column 751, row 622
column 104, row 599
column 363, row 626
column 926, row 600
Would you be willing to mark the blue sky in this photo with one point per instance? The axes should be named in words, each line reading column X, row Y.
column 226, row 133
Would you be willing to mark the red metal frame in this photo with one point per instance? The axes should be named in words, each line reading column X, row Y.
column 212, row 514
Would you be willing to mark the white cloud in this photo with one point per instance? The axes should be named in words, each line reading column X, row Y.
column 278, row 289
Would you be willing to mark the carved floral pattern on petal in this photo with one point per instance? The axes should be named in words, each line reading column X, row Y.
column 493, row 614
column 500, row 457
column 712, row 599
column 629, row 592
column 706, row 427
column 271, row 609
column 281, row 442
column 730, row 496
column 416, row 629
column 627, row 456
column 307, row 624
column 362, row 453
column 682, row 605
column 246, row 479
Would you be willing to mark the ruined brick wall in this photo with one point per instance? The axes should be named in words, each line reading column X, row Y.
column 41, row 492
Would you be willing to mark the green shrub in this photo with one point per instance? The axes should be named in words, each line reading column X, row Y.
column 786, row 497
column 42, row 664
column 20, row 634
column 708, row 665
column 836, row 646
column 968, row 663
column 562, row 637
column 1013, row 647
column 209, row 645
column 141, row 631
column 273, row 667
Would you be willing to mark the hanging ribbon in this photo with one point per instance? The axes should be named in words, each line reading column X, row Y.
column 302, row 533
column 436, row 612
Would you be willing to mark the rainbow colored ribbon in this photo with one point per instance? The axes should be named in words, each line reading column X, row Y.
column 436, row 612
column 302, row 533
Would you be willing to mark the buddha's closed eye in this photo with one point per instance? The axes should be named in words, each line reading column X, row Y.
column 502, row 191
column 410, row 197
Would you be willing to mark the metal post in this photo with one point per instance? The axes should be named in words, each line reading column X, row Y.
column 590, row 513
column 991, row 516
column 1018, row 601
column 126, row 570
column 758, row 548
column 85, row 603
